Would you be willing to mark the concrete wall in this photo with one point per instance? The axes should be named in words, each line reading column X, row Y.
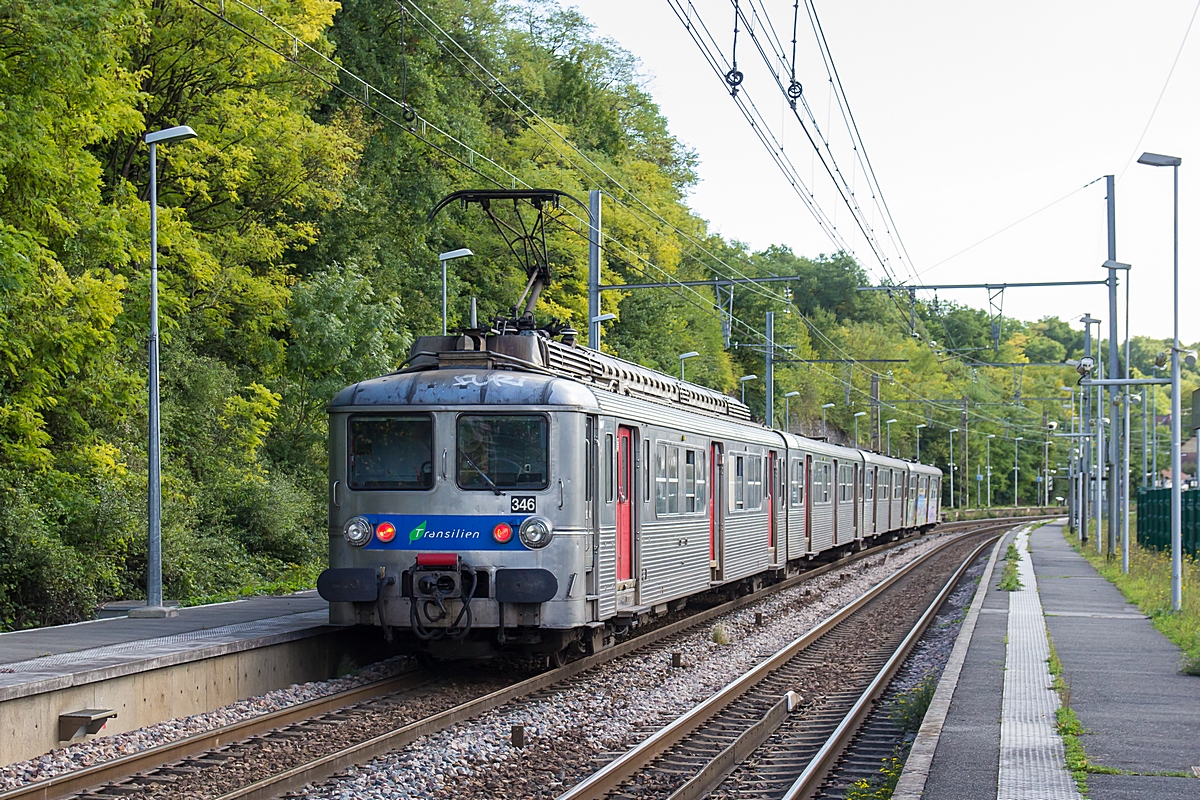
column 29, row 723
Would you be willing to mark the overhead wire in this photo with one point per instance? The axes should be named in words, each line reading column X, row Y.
column 365, row 102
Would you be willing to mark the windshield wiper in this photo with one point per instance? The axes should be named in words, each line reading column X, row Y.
column 484, row 475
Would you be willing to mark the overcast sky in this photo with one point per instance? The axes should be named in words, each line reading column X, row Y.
column 974, row 116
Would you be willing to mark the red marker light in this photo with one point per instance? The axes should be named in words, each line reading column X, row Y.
column 502, row 533
column 385, row 531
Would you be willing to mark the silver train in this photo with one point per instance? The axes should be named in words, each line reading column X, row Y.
column 509, row 491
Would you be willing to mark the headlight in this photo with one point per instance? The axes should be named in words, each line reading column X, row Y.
column 536, row 532
column 357, row 531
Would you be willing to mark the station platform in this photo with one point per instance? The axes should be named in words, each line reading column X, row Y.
column 990, row 731
column 149, row 670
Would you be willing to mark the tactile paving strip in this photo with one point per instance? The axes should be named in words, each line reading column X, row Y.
column 1032, row 759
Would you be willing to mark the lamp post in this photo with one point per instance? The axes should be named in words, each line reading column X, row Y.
column 1017, row 470
column 154, row 594
column 989, row 467
column 444, row 257
column 684, row 357
column 824, row 427
column 1156, row 160
column 857, row 414
column 743, row 380
column 889, row 435
column 786, row 418
column 952, row 432
column 919, row 426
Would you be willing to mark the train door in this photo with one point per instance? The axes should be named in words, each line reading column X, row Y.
column 625, row 485
column 808, row 503
column 772, row 506
column 836, row 505
column 716, row 511
column 857, row 500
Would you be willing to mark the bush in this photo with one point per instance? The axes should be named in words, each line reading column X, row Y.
column 909, row 707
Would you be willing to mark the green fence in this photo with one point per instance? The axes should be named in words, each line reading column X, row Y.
column 1154, row 519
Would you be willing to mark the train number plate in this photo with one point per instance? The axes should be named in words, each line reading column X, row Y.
column 523, row 504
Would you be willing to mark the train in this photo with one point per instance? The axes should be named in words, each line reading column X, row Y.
column 512, row 491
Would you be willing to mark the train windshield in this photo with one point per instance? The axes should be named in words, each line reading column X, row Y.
column 503, row 451
column 393, row 452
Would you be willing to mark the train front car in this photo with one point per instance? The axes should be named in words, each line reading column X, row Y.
column 456, row 509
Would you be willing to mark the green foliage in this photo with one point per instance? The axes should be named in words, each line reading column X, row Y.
column 1009, row 579
column 907, row 711
column 296, row 257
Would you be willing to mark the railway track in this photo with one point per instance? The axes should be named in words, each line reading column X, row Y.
column 777, row 730
column 160, row 770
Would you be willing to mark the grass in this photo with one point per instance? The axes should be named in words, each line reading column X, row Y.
column 295, row 579
column 1009, row 581
column 1068, row 725
column 1148, row 586
column 720, row 635
column 909, row 707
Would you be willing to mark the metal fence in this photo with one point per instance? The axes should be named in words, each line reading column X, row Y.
column 1154, row 519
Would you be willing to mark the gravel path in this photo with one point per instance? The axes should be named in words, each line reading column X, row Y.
column 573, row 729
column 95, row 751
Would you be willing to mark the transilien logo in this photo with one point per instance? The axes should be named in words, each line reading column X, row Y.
column 417, row 532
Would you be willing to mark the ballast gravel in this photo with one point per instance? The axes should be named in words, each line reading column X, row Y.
column 573, row 729
column 101, row 749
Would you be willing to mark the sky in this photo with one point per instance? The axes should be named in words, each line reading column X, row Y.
column 974, row 116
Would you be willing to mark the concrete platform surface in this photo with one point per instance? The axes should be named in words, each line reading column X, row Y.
column 1141, row 714
column 47, row 659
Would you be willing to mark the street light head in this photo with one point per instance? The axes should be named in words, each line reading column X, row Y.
column 1162, row 358
column 791, row 394
column 860, row 413
column 829, row 405
column 991, row 436
column 1156, row 160
column 1189, row 358
column 954, row 430
column 604, row 317
column 176, row 134
column 459, row 253
column 745, row 378
column 1110, row 264
column 1052, row 425
column 1019, row 439
column 690, row 354
column 1086, row 365
column 890, row 421
column 922, row 425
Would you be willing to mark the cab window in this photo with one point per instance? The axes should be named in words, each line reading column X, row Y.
column 503, row 451
column 391, row 452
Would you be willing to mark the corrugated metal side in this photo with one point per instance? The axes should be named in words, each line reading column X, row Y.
column 673, row 569
column 745, row 544
column 796, row 546
column 607, row 583
column 822, row 526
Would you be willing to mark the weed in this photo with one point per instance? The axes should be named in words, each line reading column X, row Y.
column 909, row 707
column 879, row 788
column 720, row 635
column 347, row 666
column 1009, row 581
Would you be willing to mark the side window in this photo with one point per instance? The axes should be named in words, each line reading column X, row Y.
column 739, row 487
column 754, row 487
column 869, row 484
column 693, row 481
column 608, row 467
column 672, row 480
column 660, row 480
column 796, row 495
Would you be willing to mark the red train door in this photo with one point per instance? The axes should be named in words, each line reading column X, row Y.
column 624, row 504
column 716, row 508
column 771, row 491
